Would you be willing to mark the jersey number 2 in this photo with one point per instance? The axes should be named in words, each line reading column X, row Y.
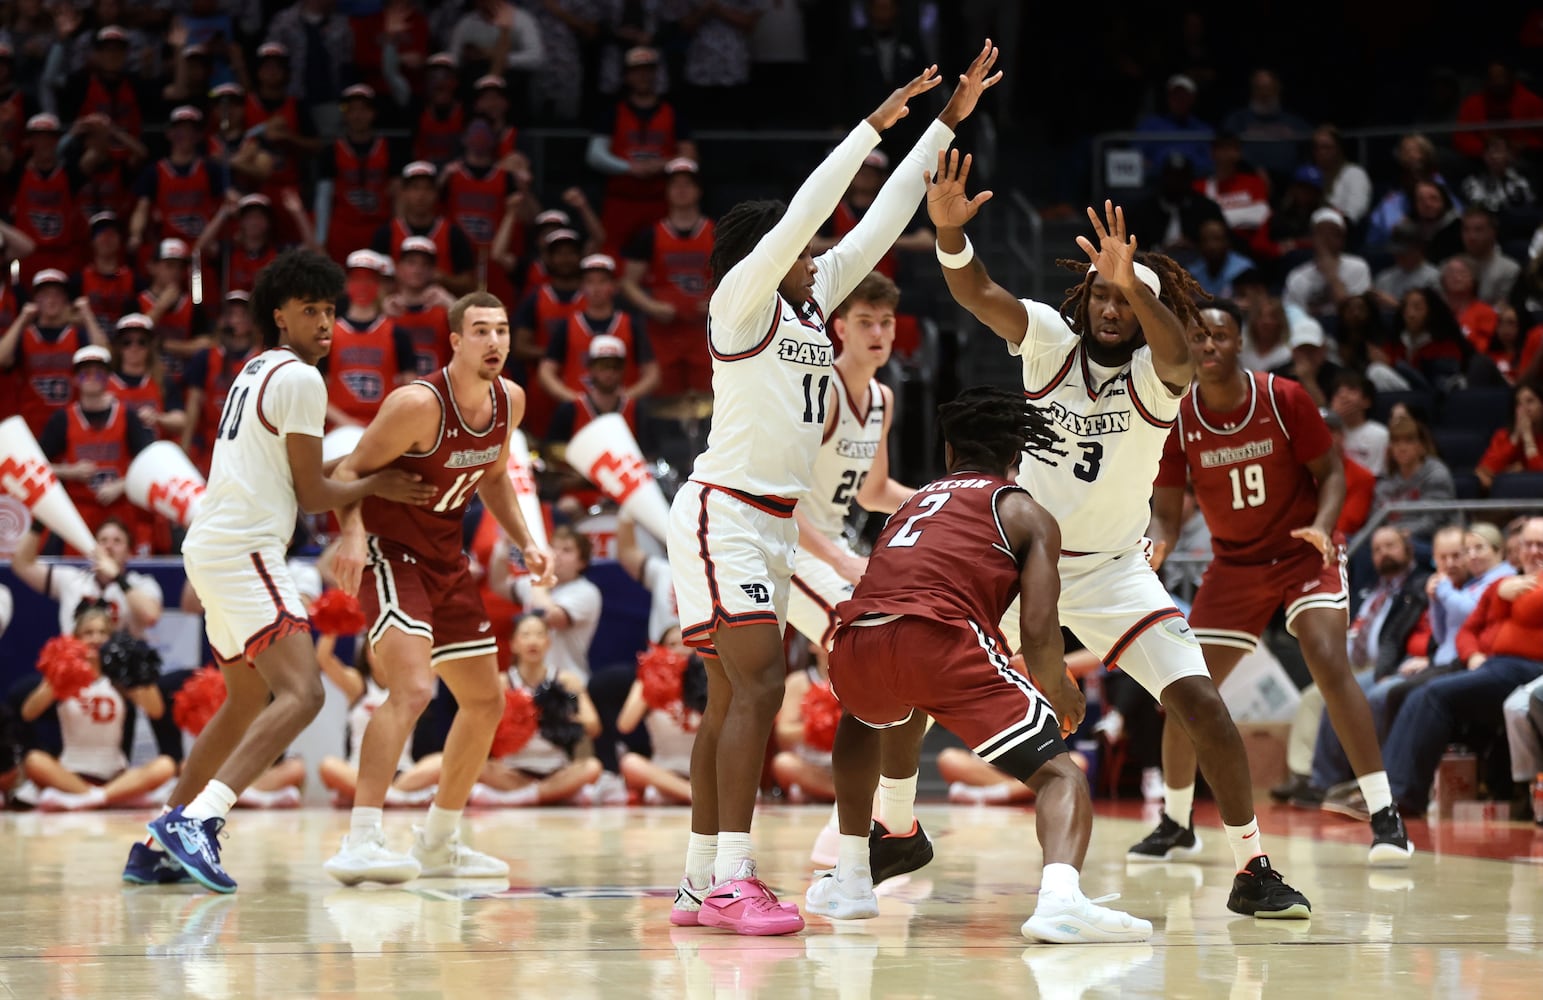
column 230, row 417
column 1251, row 479
column 909, row 534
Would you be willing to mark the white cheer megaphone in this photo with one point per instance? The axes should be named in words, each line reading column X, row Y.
column 339, row 443
column 522, row 476
column 608, row 455
column 163, row 481
column 26, row 475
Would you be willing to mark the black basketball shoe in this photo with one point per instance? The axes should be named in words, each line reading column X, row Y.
column 1259, row 891
column 1390, row 841
column 1169, row 842
column 891, row 854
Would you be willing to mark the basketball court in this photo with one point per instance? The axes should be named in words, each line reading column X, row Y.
column 586, row 915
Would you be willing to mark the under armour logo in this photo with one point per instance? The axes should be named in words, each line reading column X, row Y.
column 757, row 592
column 1192, row 436
column 451, row 432
column 484, row 626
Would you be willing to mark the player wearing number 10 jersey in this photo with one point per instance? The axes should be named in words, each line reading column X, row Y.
column 1270, row 484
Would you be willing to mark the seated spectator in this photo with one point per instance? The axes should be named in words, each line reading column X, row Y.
column 802, row 771
column 1474, row 317
column 134, row 598
column 571, row 609
column 365, row 693
column 1415, row 156
column 1496, row 273
column 1332, row 276
column 93, row 771
column 1310, row 364
column 1271, row 135
column 1267, row 337
column 1413, row 473
column 1410, row 268
column 1173, row 213
column 562, row 371
column 1178, row 116
column 1523, row 713
column 1360, row 483
column 1502, row 645
column 1515, row 448
column 1347, row 187
column 1242, row 192
column 1499, row 187
column 1365, row 344
column 1288, row 230
column 541, row 772
column 1366, row 440
column 1431, row 347
column 1501, row 99
column 1216, row 263
column 1436, row 215
column 1513, row 348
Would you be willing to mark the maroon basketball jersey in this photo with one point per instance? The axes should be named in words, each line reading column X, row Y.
column 943, row 555
column 1249, row 467
column 455, row 464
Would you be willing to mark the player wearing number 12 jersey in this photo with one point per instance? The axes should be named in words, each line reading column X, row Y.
column 422, row 604
column 1270, row 483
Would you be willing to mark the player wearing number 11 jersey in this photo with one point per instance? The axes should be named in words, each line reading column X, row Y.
column 1270, row 483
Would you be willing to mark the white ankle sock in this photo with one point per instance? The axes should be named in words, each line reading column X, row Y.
column 214, row 802
column 1375, row 790
column 701, row 850
column 1060, row 880
column 441, row 825
column 732, row 849
column 897, row 801
column 366, row 823
column 852, row 858
column 1246, row 842
column 1179, row 804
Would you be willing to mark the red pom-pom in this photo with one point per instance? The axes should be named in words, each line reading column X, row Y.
column 660, row 671
column 518, row 725
column 200, row 697
column 821, row 713
column 336, row 612
column 65, row 663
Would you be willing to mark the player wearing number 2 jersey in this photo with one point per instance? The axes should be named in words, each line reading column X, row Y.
column 1111, row 366
column 422, row 604
column 266, row 465
column 732, row 535
column 1270, row 483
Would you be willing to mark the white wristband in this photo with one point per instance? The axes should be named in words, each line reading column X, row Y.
column 955, row 261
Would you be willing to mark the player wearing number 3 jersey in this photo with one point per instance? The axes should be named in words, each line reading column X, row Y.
column 422, row 604
column 1111, row 366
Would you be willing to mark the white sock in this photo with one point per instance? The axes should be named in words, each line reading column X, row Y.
column 852, row 858
column 214, row 802
column 441, row 825
column 1060, row 880
column 366, row 823
column 701, row 850
column 1179, row 804
column 1246, row 842
column 1375, row 790
column 835, row 818
column 897, row 799
column 732, row 849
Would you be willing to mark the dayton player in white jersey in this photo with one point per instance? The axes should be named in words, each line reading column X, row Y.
column 267, row 465
column 732, row 537
column 1111, row 366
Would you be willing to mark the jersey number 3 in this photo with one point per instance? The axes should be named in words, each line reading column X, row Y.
column 909, row 534
column 1092, row 457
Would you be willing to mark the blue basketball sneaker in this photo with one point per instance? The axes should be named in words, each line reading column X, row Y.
column 195, row 845
column 148, row 866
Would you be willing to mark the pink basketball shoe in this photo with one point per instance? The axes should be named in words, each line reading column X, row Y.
column 743, row 904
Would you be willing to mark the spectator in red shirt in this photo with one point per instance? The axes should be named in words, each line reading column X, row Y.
column 1515, row 448
column 1502, row 99
column 1241, row 191
column 1360, row 482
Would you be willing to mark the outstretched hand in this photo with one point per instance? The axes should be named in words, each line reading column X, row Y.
column 1320, row 541
column 972, row 83
column 1115, row 255
column 947, row 203
column 894, row 107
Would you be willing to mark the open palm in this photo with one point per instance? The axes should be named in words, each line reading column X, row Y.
column 1115, row 255
column 948, row 204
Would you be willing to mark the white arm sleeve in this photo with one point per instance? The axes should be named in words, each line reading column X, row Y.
column 850, row 261
column 296, row 400
column 745, row 293
column 599, row 156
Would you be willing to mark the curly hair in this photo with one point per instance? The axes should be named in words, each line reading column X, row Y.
column 738, row 231
column 1180, row 291
column 988, row 428
column 293, row 274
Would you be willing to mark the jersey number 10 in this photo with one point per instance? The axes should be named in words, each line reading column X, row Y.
column 1250, row 478
column 230, row 417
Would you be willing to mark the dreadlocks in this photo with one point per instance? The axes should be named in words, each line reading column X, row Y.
column 989, row 428
column 737, row 233
column 1181, row 292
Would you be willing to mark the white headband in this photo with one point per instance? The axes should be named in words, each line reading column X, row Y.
column 1144, row 274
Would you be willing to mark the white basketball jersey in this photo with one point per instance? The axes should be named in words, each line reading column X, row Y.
column 91, row 728
column 845, row 458
column 250, row 501
column 1112, row 426
column 359, row 717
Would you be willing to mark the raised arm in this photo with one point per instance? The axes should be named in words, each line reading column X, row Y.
column 950, row 208
column 746, row 289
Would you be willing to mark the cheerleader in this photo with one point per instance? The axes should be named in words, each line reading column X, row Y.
column 414, row 784
column 93, row 771
column 665, row 776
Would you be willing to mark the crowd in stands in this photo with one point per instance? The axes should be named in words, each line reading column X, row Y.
column 154, row 157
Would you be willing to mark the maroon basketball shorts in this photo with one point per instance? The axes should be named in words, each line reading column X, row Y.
column 438, row 601
column 958, row 673
column 1236, row 601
